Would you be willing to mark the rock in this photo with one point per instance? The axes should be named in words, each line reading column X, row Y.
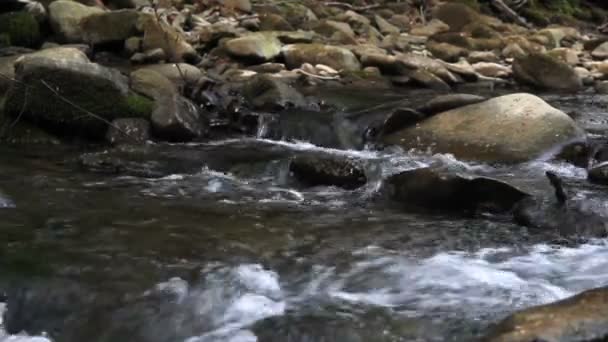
column 545, row 72
column 258, row 47
column 180, row 74
column 267, row 68
column 65, row 17
column 513, row 50
column 68, row 53
column 62, row 93
column 601, row 87
column 355, row 20
column 566, row 55
column 177, row 119
column 329, row 170
column 384, row 26
column 583, row 317
column 492, row 69
column 447, row 102
column 133, row 45
column 109, row 27
column 446, row 52
column 599, row 173
column 482, row 56
column 329, row 27
column 20, row 132
column 600, row 52
column 240, row 5
column 7, row 69
column 158, row 34
column 506, row 129
column 269, row 93
column 295, row 37
column 398, row 118
column 456, row 15
column 274, row 22
column 425, row 64
column 585, row 75
column 435, row 189
column 152, row 84
column 434, row 27
column 130, row 131
column 428, row 79
column 333, row 56
column 20, row 29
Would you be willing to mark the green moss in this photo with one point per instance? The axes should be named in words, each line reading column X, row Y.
column 139, row 106
column 21, row 28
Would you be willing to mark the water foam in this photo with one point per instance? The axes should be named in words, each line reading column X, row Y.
column 4, row 337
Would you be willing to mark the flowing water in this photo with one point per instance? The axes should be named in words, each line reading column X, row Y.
column 238, row 252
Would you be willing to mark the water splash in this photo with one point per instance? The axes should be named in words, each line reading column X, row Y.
column 4, row 337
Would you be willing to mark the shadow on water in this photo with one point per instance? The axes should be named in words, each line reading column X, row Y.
column 221, row 245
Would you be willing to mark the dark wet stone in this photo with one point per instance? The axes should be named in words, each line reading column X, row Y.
column 128, row 131
column 431, row 189
column 599, row 173
column 582, row 318
column 270, row 93
column 177, row 119
column 324, row 169
column 444, row 103
column 567, row 218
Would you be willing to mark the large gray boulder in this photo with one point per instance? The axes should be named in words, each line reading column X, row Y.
column 336, row 57
column 71, row 96
column 582, row 318
column 65, row 17
column 506, row 129
column 545, row 72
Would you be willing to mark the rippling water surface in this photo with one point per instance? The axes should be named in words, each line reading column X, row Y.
column 242, row 254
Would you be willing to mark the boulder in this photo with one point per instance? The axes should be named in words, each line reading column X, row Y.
column 506, row 129
column 456, row 15
column 434, row 27
column 446, row 52
column 566, row 55
column 177, row 119
column 129, row 131
column 600, row 52
column 384, row 26
column 152, row 84
column 158, row 34
column 109, row 27
column 65, row 17
column 447, row 102
column 328, row 170
column 583, row 317
column 20, row 29
column 71, row 97
column 436, row 189
column 545, row 72
column 258, row 47
column 336, row 57
column 270, row 93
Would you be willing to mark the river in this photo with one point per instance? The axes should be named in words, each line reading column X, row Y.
column 237, row 252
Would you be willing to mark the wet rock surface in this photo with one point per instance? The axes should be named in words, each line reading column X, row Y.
column 321, row 169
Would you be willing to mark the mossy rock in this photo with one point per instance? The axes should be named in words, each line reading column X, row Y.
column 21, row 28
column 72, row 98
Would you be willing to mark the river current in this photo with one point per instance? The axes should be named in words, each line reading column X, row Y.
column 241, row 254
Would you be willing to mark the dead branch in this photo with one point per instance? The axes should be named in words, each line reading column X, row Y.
column 507, row 11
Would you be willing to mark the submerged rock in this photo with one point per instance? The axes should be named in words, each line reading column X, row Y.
column 128, row 131
column 506, row 129
column 325, row 169
column 432, row 189
column 599, row 173
column 582, row 318
column 567, row 218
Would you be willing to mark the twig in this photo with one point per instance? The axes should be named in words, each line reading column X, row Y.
column 351, row 7
column 506, row 10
